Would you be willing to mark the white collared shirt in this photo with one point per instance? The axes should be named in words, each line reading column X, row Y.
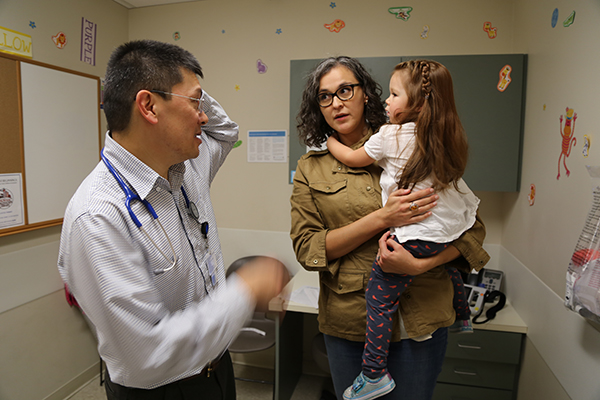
column 154, row 329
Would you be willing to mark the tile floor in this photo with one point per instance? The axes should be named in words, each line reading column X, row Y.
column 310, row 387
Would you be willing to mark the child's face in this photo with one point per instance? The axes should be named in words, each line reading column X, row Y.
column 398, row 100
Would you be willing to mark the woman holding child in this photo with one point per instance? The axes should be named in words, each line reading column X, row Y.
column 337, row 227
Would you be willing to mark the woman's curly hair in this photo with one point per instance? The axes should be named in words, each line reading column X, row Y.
column 313, row 130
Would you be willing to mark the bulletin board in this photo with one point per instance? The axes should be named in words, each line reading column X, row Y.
column 50, row 140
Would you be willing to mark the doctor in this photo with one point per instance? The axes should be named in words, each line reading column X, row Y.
column 139, row 247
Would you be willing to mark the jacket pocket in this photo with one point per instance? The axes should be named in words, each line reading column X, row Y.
column 344, row 282
column 345, row 312
column 332, row 201
column 328, row 187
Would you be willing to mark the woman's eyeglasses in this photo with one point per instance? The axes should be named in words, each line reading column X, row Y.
column 344, row 93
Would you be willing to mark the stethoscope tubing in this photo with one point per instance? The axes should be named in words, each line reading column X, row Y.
column 130, row 196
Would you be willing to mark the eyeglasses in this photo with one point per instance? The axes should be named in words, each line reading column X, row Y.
column 344, row 93
column 200, row 100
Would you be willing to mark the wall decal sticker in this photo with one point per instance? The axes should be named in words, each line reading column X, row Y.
column 425, row 32
column 60, row 40
column 570, row 19
column 176, row 36
column 491, row 31
column 531, row 195
column 402, row 13
column 336, row 26
column 260, row 66
column 554, row 17
column 278, row 31
column 332, row 5
column 504, row 78
column 32, row 24
column 587, row 142
column 568, row 138
column 237, row 144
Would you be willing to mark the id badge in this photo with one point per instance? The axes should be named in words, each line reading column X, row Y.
column 211, row 263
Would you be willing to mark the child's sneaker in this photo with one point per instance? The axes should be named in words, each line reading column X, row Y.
column 365, row 388
column 461, row 326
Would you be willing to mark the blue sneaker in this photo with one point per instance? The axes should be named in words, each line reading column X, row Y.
column 461, row 326
column 365, row 388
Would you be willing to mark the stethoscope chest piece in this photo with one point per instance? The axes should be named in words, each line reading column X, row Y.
column 193, row 210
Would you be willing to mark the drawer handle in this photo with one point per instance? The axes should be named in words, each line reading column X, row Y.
column 465, row 346
column 458, row 372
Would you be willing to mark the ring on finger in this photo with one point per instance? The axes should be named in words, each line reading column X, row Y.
column 414, row 206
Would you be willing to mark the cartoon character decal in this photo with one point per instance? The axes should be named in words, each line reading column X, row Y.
column 491, row 31
column 402, row 13
column 336, row 26
column 568, row 140
column 531, row 195
column 260, row 66
column 504, row 78
column 60, row 40
column 587, row 142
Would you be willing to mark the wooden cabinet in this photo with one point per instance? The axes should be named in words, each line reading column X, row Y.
column 482, row 365
column 493, row 118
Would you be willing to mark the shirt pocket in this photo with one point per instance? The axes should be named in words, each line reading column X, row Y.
column 332, row 201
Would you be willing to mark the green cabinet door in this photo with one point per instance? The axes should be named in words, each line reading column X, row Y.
column 493, row 118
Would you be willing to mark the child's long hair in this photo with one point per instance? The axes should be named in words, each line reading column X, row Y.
column 441, row 145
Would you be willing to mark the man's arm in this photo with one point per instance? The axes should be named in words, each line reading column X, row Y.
column 218, row 135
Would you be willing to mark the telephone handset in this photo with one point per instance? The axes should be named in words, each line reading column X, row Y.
column 491, row 313
column 484, row 287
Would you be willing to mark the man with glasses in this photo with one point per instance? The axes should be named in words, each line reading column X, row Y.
column 139, row 247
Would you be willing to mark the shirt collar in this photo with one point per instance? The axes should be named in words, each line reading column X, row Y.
column 140, row 177
column 363, row 140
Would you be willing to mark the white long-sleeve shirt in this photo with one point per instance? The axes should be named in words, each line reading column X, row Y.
column 455, row 212
column 154, row 329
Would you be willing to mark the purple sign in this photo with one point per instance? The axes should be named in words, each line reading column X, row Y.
column 88, row 42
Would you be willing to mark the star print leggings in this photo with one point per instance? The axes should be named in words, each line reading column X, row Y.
column 383, row 296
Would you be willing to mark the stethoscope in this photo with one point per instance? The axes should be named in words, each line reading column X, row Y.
column 130, row 195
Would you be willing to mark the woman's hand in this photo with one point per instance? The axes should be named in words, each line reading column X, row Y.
column 398, row 212
column 392, row 257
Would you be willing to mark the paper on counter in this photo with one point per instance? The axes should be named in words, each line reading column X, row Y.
column 307, row 295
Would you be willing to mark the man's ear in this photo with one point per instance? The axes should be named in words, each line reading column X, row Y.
column 145, row 104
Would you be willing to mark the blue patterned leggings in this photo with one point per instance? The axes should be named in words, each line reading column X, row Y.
column 383, row 296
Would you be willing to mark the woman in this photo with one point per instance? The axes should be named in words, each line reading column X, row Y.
column 337, row 227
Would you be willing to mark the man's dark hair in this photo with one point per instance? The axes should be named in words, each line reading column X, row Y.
column 138, row 65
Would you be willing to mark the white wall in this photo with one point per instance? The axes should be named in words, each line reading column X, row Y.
column 46, row 349
column 533, row 244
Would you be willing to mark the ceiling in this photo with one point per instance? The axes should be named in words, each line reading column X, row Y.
column 148, row 3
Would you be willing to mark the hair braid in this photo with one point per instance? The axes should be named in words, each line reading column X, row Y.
column 426, row 81
column 441, row 148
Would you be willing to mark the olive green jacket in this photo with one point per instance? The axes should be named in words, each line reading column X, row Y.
column 328, row 195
